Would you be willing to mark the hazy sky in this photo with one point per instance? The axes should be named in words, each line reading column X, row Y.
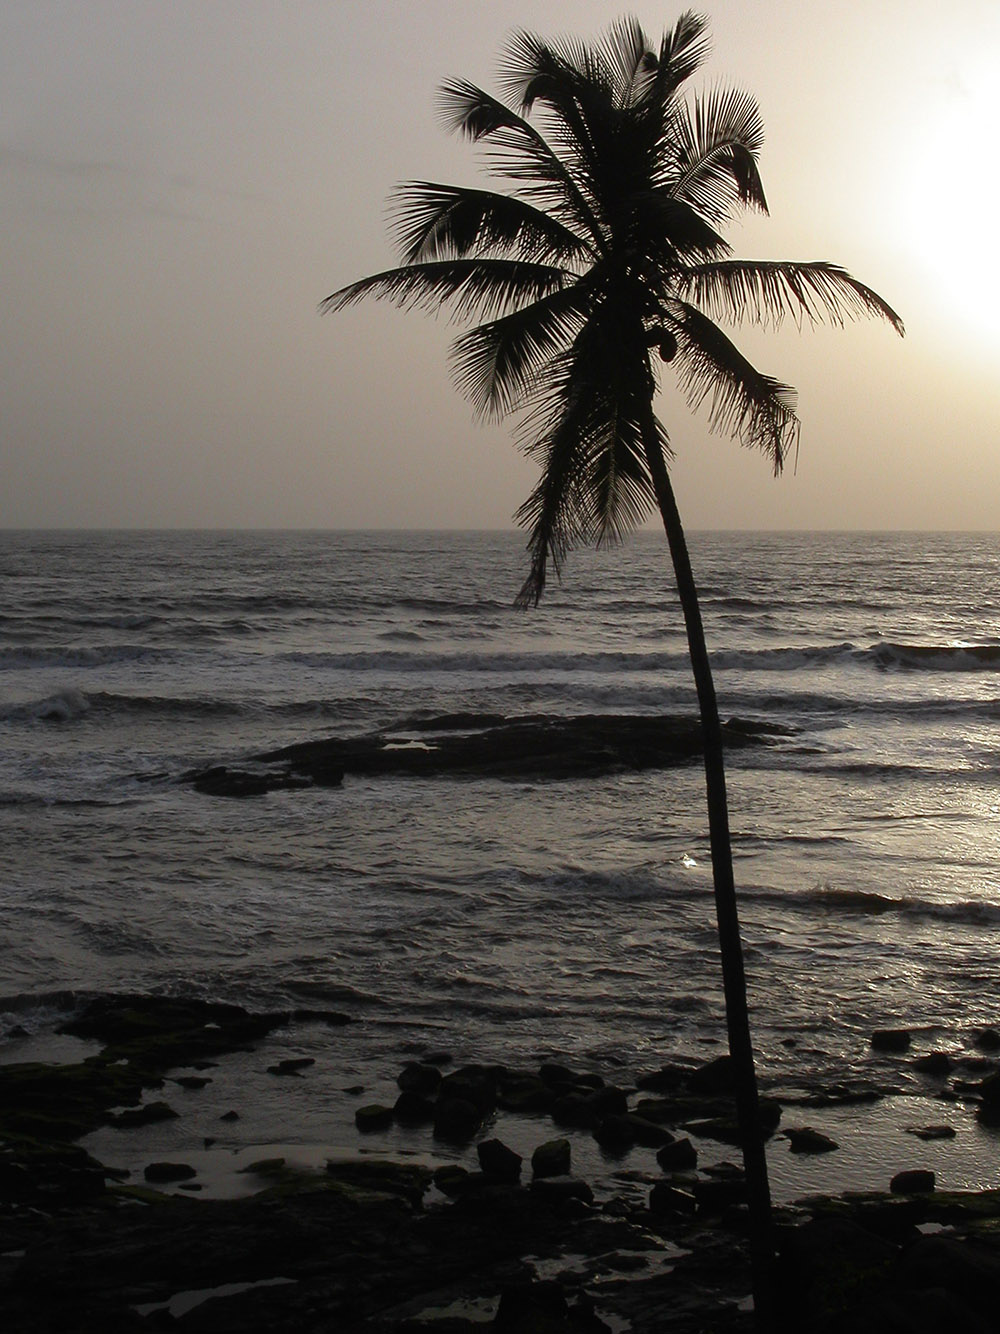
column 182, row 181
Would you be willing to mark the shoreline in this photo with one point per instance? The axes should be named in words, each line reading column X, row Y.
column 668, row 1230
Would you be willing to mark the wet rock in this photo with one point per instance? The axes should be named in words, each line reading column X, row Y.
column 661, row 1111
column 678, row 1156
column 192, row 1082
column 149, row 1114
column 666, row 1198
column 420, row 1077
column 915, row 1181
column 551, row 1159
column 373, row 1116
column 220, row 781
column 986, row 1039
column 622, row 1132
column 451, row 1179
column 714, row 1077
column 528, row 746
column 475, row 1084
column 413, row 1109
column 525, row 1093
column 230, row 1116
column 936, row 1063
column 931, row 1132
column 293, row 1065
column 456, row 1119
column 668, row 1079
column 891, row 1039
column 560, row 1190
column 803, row 1139
column 499, row 1162
column 166, row 1172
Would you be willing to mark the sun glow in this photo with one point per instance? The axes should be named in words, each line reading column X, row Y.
column 951, row 198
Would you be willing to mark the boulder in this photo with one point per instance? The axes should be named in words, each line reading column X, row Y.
column 678, row 1156
column 421, row 1078
column 803, row 1139
column 164, row 1172
column 891, row 1039
column 373, row 1116
column 915, row 1181
column 551, row 1159
column 456, row 1119
column 413, row 1109
column 665, row 1198
column 498, row 1161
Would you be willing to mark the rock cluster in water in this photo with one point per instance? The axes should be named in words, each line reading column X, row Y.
column 517, row 1243
column 483, row 746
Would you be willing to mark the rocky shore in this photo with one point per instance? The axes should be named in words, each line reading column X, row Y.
column 484, row 746
column 505, row 1241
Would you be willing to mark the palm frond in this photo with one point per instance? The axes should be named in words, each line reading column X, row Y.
column 483, row 287
column 711, row 153
column 433, row 221
column 765, row 292
column 757, row 409
column 520, row 153
column 586, row 433
column 683, row 51
column 499, row 365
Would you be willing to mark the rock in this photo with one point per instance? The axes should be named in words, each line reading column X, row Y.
column 451, row 1179
column 678, row 1156
column 498, row 1161
column 986, row 1039
column 220, row 781
column 931, row 1132
column 456, row 1119
column 149, row 1114
column 533, row 1306
column 230, row 1116
column 472, row 1083
column 665, row 1198
column 373, row 1116
column 622, row 1132
column 293, row 1065
column 421, row 1078
column 529, row 746
column 551, row 1159
column 164, row 1172
column 936, row 1063
column 668, row 1079
column 803, row 1139
column 891, row 1039
column 557, row 1076
column 714, row 1077
column 525, row 1093
column 192, row 1081
column 718, row 1193
column 661, row 1111
column 413, row 1109
column 915, row 1181
column 988, row 1113
column 561, row 1189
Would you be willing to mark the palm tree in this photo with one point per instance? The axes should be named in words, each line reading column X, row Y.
column 602, row 259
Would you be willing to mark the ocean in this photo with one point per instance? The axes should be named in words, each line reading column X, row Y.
column 500, row 919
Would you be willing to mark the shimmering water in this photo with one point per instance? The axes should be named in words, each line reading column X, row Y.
column 506, row 918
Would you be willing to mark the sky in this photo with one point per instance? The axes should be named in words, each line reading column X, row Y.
column 182, row 181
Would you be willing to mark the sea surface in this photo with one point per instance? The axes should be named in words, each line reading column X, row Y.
column 498, row 919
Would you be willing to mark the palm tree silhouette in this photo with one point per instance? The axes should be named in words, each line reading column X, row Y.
column 603, row 259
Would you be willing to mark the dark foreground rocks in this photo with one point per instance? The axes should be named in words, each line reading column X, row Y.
column 486, row 747
column 522, row 1244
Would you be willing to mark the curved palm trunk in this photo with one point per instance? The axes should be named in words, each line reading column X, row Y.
column 730, row 945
